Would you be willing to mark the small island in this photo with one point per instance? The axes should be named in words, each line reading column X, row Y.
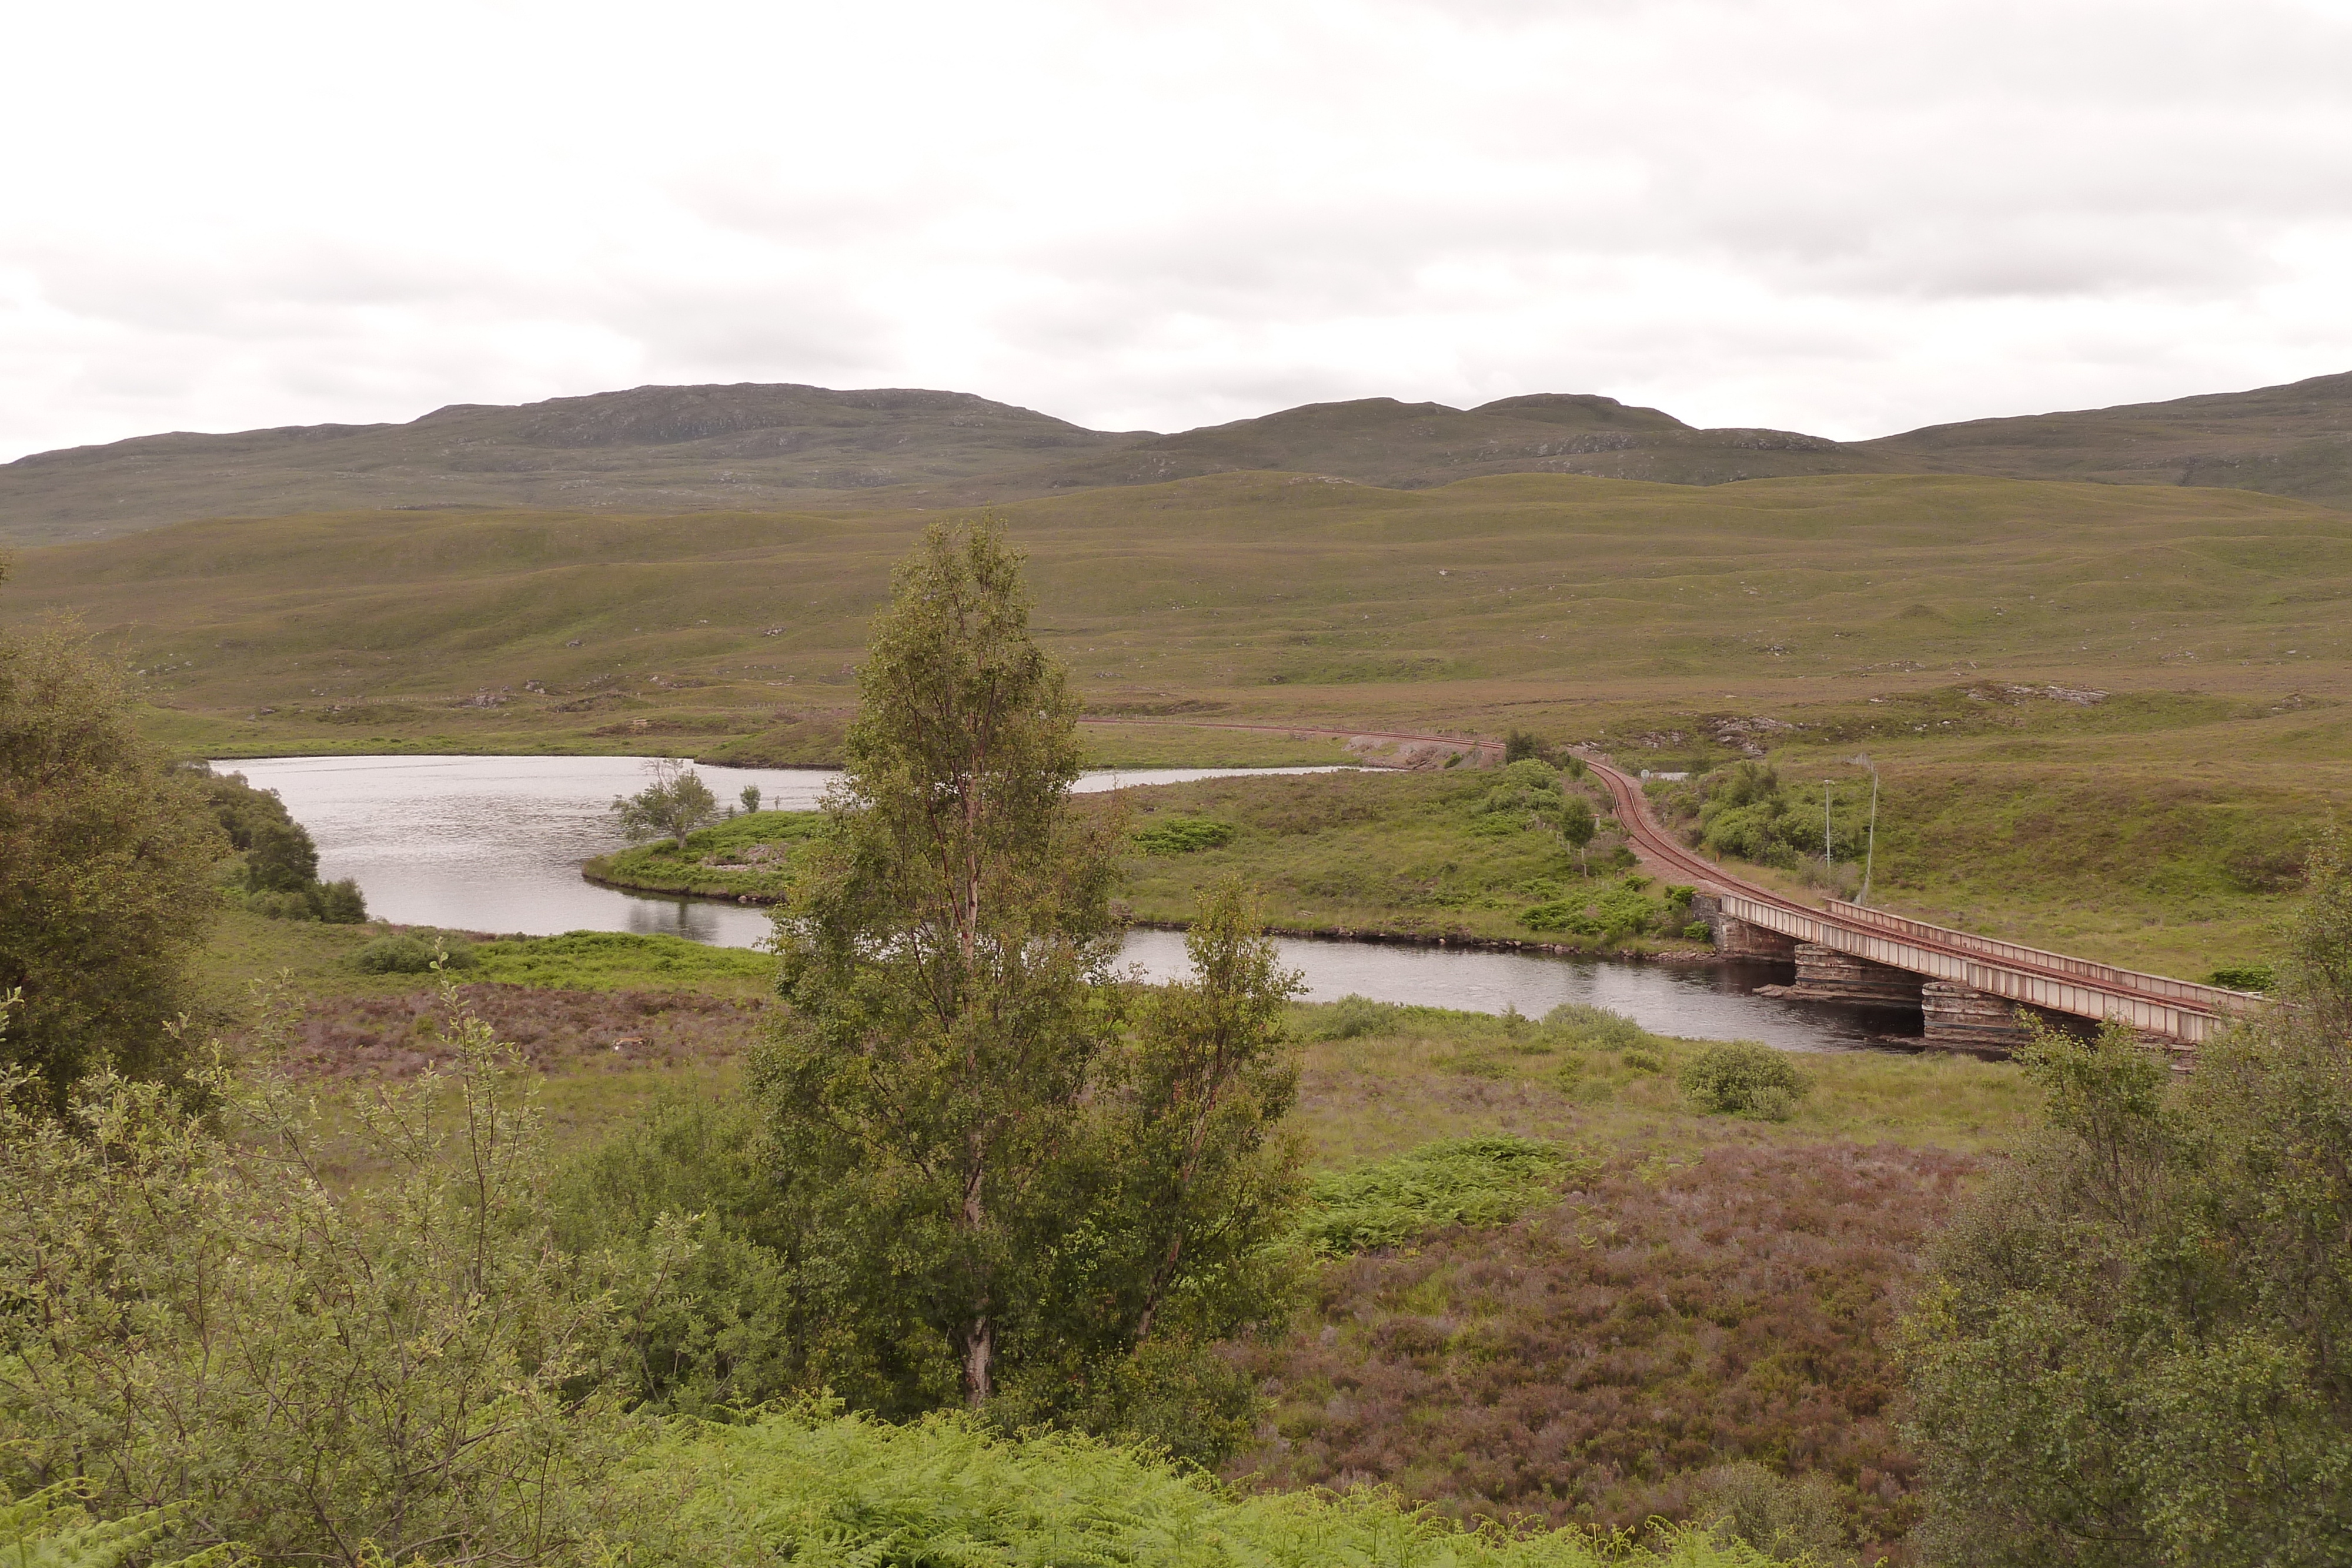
column 747, row 858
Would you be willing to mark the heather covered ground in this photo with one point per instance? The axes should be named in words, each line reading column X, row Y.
column 1599, row 1360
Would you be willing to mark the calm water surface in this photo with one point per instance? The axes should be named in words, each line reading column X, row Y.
column 495, row 843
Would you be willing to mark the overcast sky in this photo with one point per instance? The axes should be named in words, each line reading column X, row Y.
column 1848, row 218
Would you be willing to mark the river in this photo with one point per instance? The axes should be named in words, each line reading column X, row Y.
column 495, row 843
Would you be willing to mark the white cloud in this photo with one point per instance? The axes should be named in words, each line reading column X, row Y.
column 1819, row 214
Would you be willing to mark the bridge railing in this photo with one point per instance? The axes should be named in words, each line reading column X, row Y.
column 2104, row 976
column 2214, row 997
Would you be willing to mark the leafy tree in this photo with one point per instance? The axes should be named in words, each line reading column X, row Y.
column 725, row 1284
column 1519, row 746
column 105, row 859
column 2140, row 1347
column 930, row 1072
column 1204, row 1181
column 281, row 858
column 1574, row 820
column 1176, row 1206
column 751, row 797
column 281, row 866
column 676, row 803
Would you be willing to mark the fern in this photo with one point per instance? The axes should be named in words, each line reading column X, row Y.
column 50, row 1529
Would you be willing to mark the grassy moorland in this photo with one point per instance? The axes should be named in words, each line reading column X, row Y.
column 1579, row 604
column 1687, row 1294
column 2194, row 638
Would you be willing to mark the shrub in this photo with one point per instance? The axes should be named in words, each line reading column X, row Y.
column 2244, row 978
column 408, row 953
column 1644, row 1061
column 1741, row 1078
column 1460, row 1181
column 2136, row 1353
column 106, row 858
column 1787, row 1520
column 403, row 1375
column 1612, row 913
column 1183, row 835
column 1592, row 1028
column 1352, row 1017
column 341, row 902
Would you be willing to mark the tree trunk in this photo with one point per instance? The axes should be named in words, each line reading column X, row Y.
column 979, row 1360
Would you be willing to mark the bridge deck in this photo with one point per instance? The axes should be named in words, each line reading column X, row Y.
column 2155, row 1004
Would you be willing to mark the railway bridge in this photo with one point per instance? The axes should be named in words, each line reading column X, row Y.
column 1968, row 987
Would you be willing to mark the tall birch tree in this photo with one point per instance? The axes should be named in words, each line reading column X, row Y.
column 944, row 956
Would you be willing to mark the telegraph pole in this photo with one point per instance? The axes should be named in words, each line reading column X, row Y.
column 1870, row 853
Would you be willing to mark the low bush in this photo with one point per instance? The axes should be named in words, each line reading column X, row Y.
column 1462, row 1181
column 330, row 903
column 404, row 1375
column 1576, row 1025
column 1741, row 1078
column 408, row 953
column 2244, row 978
column 618, row 960
column 1182, row 835
column 1352, row 1017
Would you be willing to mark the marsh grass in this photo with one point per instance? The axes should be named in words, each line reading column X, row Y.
column 1428, row 1073
column 1465, row 1182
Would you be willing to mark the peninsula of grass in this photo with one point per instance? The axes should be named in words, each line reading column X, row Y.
column 747, row 858
column 1459, row 854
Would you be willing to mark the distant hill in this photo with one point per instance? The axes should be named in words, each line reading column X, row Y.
column 758, row 448
column 651, row 449
column 2294, row 440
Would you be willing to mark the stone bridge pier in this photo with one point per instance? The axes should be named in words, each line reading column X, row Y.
column 1953, row 1017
